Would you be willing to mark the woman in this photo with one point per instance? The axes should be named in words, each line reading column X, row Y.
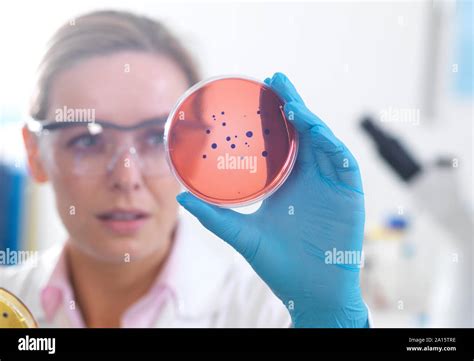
column 132, row 258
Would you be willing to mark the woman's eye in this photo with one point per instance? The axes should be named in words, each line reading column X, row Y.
column 154, row 139
column 84, row 141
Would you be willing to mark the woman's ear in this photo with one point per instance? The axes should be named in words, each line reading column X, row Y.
column 35, row 163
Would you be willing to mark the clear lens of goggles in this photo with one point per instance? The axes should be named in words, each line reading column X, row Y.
column 99, row 147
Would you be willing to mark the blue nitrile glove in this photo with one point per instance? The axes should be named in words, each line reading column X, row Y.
column 301, row 238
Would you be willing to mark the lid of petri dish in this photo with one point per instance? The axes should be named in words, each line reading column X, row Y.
column 228, row 141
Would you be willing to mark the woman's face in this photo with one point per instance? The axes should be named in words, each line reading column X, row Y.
column 123, row 214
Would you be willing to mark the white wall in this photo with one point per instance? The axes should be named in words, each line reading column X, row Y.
column 345, row 58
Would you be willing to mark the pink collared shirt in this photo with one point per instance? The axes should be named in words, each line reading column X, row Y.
column 58, row 295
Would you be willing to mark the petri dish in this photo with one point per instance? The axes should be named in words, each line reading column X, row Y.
column 13, row 313
column 228, row 141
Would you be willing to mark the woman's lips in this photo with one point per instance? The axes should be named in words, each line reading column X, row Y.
column 123, row 221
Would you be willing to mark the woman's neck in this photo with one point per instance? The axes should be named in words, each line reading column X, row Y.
column 105, row 290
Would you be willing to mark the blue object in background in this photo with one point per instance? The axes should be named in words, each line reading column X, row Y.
column 12, row 182
column 397, row 222
column 464, row 77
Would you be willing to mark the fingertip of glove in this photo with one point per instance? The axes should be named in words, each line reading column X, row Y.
column 279, row 77
column 183, row 197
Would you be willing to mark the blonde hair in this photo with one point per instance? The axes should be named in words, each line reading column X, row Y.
column 102, row 33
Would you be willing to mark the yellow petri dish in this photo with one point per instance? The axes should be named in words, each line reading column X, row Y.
column 13, row 313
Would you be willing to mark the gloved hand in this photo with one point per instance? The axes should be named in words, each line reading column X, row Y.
column 315, row 215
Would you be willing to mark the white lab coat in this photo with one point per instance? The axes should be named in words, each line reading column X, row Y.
column 217, row 287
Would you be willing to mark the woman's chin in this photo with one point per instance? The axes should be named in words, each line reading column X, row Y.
column 121, row 250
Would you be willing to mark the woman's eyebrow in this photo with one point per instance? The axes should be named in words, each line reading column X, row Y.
column 158, row 119
column 161, row 120
column 52, row 125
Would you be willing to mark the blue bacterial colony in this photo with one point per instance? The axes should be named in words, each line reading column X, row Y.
column 249, row 134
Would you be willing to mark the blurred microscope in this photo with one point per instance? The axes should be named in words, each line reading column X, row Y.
column 433, row 189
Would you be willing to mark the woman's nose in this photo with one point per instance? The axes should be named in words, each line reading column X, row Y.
column 125, row 173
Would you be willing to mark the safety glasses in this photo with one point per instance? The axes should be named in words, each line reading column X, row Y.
column 97, row 148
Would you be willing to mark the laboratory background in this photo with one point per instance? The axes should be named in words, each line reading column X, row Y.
column 393, row 80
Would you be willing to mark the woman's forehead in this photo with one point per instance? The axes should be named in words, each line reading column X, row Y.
column 124, row 88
